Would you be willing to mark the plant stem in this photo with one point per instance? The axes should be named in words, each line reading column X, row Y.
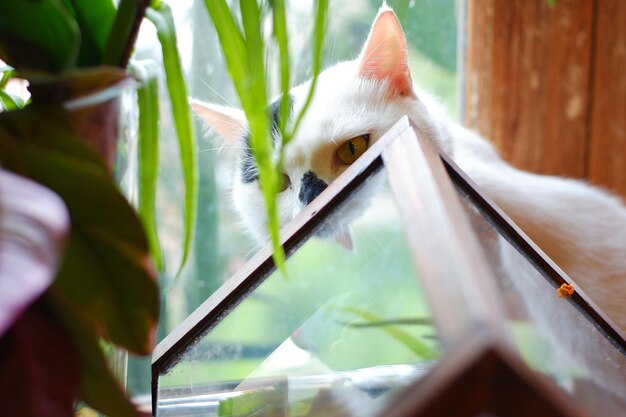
column 124, row 32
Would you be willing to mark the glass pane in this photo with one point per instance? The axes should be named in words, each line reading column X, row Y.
column 553, row 336
column 222, row 245
column 341, row 332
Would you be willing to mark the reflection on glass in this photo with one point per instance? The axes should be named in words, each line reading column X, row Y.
column 552, row 335
column 336, row 337
column 221, row 246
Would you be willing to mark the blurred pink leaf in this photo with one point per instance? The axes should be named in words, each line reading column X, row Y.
column 107, row 275
column 33, row 226
column 40, row 366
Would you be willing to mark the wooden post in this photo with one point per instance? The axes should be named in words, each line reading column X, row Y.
column 548, row 85
column 607, row 148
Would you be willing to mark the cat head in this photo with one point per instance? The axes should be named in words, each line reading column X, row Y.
column 354, row 104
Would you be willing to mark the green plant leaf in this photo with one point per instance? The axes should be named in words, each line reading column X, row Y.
column 279, row 17
column 148, row 103
column 245, row 61
column 245, row 52
column 121, row 37
column 176, row 87
column 98, row 387
column 318, row 46
column 95, row 19
column 10, row 102
column 7, row 73
column 254, row 106
column 280, row 33
column 107, row 274
column 38, row 34
column 414, row 344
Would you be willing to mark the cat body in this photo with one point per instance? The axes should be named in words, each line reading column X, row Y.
column 582, row 228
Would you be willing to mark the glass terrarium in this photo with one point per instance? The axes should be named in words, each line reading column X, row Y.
column 437, row 304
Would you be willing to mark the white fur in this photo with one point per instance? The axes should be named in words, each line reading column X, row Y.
column 583, row 229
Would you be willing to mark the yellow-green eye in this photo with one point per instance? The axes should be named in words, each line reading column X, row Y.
column 352, row 149
column 284, row 183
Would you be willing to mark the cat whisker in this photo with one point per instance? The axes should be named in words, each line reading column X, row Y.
column 220, row 148
column 222, row 121
column 216, row 92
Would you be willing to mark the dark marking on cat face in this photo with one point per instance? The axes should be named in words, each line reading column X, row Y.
column 274, row 110
column 310, row 187
column 249, row 172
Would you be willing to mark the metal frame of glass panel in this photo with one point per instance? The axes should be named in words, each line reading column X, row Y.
column 469, row 314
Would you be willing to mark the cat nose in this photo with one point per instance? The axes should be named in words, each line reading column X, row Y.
column 310, row 187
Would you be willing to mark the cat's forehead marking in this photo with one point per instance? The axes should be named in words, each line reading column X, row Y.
column 274, row 113
column 248, row 167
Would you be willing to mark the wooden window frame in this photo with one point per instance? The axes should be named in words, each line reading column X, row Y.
column 423, row 183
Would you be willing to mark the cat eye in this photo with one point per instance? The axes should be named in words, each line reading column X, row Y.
column 284, row 182
column 352, row 149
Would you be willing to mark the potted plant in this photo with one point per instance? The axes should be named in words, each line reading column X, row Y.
column 76, row 264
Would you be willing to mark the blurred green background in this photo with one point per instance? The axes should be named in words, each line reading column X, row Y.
column 330, row 305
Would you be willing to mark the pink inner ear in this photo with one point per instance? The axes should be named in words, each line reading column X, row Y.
column 228, row 122
column 384, row 56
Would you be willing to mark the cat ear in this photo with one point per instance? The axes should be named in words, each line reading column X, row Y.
column 344, row 238
column 230, row 123
column 384, row 56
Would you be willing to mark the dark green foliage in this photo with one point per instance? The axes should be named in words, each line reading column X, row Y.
column 106, row 275
column 95, row 19
column 106, row 284
column 38, row 34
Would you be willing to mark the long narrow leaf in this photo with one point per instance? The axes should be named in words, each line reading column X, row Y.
column 254, row 108
column 161, row 17
column 231, row 40
column 280, row 33
column 318, row 35
column 244, row 53
column 245, row 61
column 124, row 31
column 414, row 344
column 148, row 103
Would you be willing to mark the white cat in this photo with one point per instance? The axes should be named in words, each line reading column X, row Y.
column 583, row 229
